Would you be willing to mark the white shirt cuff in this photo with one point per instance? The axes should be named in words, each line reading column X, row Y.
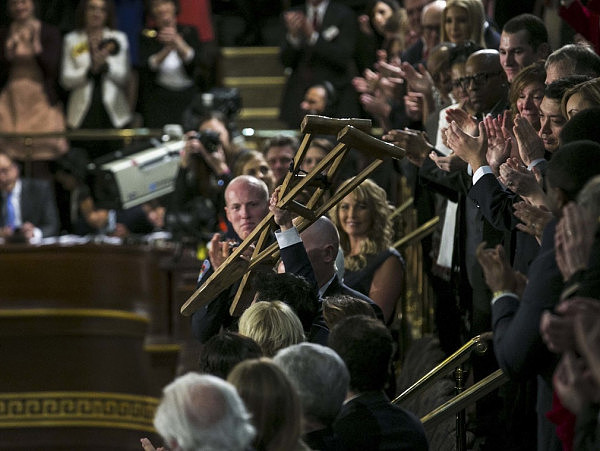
column 481, row 172
column 296, row 42
column 37, row 236
column 288, row 237
column 504, row 293
column 534, row 163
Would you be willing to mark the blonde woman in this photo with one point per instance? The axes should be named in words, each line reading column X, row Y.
column 371, row 265
column 464, row 20
column 273, row 325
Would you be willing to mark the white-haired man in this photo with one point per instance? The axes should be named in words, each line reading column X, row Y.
column 202, row 413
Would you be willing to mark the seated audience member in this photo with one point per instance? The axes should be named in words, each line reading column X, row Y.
column 29, row 210
column 80, row 213
column 321, row 379
column 202, row 412
column 582, row 126
column 572, row 59
column 524, row 40
column 273, row 325
column 29, row 102
column 252, row 162
column 224, row 351
column 279, row 152
column 273, row 403
column 368, row 420
column 292, row 290
column 95, row 71
column 371, row 265
column 581, row 97
column 516, row 310
column 336, row 308
column 247, row 203
column 313, row 254
column 169, row 59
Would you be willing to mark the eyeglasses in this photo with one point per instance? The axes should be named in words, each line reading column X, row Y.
column 458, row 83
column 479, row 79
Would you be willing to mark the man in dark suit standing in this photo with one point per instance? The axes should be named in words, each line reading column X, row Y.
column 28, row 207
column 319, row 46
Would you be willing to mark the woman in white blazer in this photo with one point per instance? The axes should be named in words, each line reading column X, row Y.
column 96, row 71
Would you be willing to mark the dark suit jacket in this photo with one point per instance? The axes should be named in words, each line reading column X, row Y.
column 38, row 206
column 371, row 422
column 414, row 54
column 296, row 261
column 207, row 321
column 496, row 205
column 518, row 345
column 327, row 60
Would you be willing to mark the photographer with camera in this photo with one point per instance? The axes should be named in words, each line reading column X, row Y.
column 204, row 172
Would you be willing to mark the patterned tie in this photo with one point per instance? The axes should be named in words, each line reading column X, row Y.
column 10, row 211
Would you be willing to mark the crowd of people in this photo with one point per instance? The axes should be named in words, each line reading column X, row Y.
column 500, row 131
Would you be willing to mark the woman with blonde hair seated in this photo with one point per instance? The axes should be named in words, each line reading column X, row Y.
column 273, row 402
column 371, row 265
column 273, row 325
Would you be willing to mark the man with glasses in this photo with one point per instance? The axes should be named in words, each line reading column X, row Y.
column 486, row 83
column 431, row 20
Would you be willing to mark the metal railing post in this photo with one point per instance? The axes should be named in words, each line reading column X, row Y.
column 461, row 421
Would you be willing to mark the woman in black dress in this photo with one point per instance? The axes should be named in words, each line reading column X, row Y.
column 371, row 265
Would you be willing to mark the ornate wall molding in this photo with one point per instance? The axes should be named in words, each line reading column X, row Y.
column 77, row 409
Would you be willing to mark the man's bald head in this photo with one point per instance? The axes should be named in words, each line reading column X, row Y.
column 321, row 233
column 321, row 241
column 485, row 80
column 247, row 203
column 485, row 59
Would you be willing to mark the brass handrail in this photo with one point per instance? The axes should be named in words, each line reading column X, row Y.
column 465, row 399
column 477, row 344
column 402, row 208
column 418, row 234
column 88, row 134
